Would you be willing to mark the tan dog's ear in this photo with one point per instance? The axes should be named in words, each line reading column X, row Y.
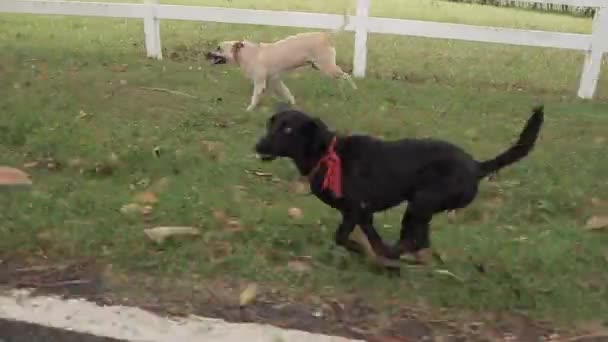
column 238, row 45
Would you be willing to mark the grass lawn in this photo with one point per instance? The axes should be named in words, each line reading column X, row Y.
column 72, row 91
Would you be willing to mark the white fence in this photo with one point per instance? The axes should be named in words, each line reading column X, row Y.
column 594, row 45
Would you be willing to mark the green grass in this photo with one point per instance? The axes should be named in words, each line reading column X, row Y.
column 527, row 230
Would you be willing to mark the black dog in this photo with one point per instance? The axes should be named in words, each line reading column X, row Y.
column 361, row 175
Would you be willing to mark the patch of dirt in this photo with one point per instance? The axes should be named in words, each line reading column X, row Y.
column 349, row 317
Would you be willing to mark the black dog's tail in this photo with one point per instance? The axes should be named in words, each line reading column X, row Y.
column 520, row 149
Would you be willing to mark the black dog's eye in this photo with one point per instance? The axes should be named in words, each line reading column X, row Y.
column 287, row 130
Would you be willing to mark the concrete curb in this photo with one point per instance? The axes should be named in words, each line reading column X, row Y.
column 134, row 324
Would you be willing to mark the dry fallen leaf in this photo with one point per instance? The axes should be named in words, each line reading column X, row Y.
column 131, row 208
column 119, row 67
column 248, row 295
column 233, row 225
column 299, row 188
column 295, row 213
column 263, row 174
column 452, row 216
column 146, row 197
column 76, row 163
column 214, row 149
column 449, row 274
column 299, row 266
column 82, row 114
column 113, row 159
column 10, row 176
column 31, row 165
column 220, row 216
column 597, row 223
column 160, row 234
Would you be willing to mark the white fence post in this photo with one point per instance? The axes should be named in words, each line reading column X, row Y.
column 593, row 57
column 360, row 56
column 152, row 31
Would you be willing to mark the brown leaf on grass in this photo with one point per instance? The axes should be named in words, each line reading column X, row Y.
column 161, row 234
column 219, row 251
column 31, row 165
column 47, row 163
column 299, row 188
column 599, row 140
column 44, row 72
column 262, row 174
column 299, row 266
column 146, row 197
column 597, row 202
column 135, row 208
column 233, row 225
column 10, row 176
column 214, row 149
column 451, row 216
column 597, row 223
column 119, row 67
column 295, row 213
column 220, row 216
column 76, row 163
column 82, row 114
column 248, row 295
column 449, row 274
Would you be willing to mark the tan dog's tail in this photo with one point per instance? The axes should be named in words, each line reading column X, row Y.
column 345, row 21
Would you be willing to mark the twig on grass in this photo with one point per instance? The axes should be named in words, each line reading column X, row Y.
column 164, row 90
column 54, row 284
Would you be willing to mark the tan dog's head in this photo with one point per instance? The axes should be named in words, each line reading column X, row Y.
column 226, row 52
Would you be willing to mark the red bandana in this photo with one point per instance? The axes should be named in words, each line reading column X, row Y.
column 333, row 174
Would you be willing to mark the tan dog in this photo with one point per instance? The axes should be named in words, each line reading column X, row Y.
column 265, row 63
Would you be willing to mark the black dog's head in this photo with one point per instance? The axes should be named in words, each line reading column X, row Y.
column 293, row 134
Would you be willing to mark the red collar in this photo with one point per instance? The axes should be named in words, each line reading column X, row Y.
column 333, row 172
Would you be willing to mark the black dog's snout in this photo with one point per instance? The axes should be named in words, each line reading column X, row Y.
column 262, row 145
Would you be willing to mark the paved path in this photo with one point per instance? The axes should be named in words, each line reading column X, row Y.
column 50, row 319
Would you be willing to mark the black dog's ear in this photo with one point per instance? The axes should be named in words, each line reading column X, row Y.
column 316, row 132
column 311, row 128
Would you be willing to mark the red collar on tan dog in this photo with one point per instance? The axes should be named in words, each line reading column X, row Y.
column 333, row 174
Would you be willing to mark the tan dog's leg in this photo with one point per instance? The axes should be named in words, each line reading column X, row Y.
column 327, row 65
column 281, row 90
column 259, row 86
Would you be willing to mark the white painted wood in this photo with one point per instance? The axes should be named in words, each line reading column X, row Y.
column 254, row 17
column 577, row 3
column 360, row 55
column 480, row 33
column 593, row 56
column 93, row 9
column 152, row 30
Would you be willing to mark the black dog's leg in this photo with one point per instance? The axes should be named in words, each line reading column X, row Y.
column 366, row 222
column 415, row 234
column 343, row 233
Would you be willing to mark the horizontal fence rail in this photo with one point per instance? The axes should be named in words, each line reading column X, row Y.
column 594, row 45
